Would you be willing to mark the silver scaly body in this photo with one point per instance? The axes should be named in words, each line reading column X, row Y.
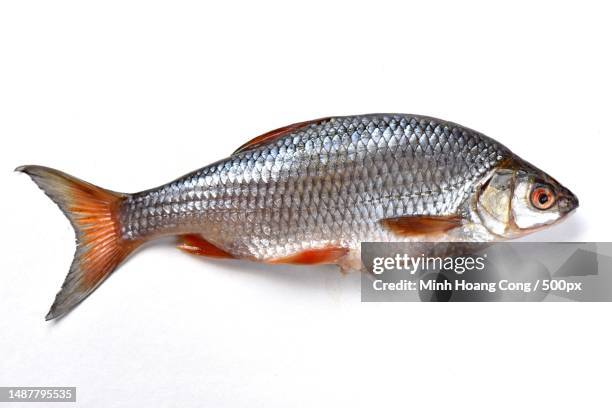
column 327, row 184
column 311, row 193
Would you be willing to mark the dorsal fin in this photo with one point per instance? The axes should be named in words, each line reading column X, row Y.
column 275, row 134
column 421, row 224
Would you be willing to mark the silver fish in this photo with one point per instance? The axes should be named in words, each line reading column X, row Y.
column 311, row 193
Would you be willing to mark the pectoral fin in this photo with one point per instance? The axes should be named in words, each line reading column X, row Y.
column 421, row 225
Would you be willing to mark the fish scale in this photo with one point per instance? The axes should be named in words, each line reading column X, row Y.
column 327, row 183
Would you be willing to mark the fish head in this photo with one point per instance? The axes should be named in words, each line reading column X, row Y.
column 517, row 199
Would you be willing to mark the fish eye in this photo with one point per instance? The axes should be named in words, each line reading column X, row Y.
column 542, row 197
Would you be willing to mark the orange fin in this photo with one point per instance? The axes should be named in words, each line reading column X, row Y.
column 421, row 224
column 327, row 255
column 94, row 215
column 196, row 245
column 275, row 134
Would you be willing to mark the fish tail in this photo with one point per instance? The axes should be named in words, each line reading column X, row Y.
column 94, row 215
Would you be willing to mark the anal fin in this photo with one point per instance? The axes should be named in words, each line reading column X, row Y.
column 196, row 245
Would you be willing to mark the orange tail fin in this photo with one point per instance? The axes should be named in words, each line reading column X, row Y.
column 94, row 215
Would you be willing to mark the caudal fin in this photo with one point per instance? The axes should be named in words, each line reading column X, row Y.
column 94, row 215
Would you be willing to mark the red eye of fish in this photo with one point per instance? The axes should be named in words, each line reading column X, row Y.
column 542, row 198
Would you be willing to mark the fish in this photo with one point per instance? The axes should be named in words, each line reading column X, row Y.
column 311, row 193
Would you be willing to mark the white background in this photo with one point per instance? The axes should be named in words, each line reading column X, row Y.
column 129, row 95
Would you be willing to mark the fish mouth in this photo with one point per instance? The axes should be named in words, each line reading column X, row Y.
column 567, row 202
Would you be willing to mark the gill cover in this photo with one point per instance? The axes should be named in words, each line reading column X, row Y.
column 495, row 201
